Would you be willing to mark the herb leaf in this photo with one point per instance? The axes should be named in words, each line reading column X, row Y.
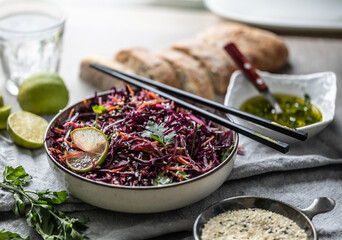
column 48, row 222
column 157, row 132
column 161, row 180
column 99, row 109
column 48, row 197
column 16, row 176
column 11, row 236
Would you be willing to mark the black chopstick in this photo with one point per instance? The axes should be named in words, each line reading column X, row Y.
column 286, row 130
column 278, row 145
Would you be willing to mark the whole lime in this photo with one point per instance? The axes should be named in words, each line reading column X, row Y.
column 43, row 93
column 4, row 113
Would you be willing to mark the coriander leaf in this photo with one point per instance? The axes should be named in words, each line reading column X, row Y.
column 170, row 138
column 153, row 129
column 11, row 236
column 16, row 176
column 161, row 180
column 157, row 139
column 99, row 109
column 52, row 197
column 157, row 132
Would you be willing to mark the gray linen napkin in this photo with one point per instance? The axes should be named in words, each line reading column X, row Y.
column 297, row 187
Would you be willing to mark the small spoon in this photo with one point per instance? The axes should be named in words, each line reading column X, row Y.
column 249, row 71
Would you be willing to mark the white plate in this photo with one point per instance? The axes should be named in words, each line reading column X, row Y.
column 284, row 14
column 321, row 87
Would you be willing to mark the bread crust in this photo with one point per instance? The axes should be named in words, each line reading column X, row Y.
column 101, row 80
column 264, row 49
column 193, row 77
column 149, row 65
column 217, row 63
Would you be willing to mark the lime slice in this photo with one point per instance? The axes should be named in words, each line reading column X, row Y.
column 4, row 113
column 94, row 148
column 27, row 129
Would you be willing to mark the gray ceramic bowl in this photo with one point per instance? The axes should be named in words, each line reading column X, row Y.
column 139, row 199
column 302, row 217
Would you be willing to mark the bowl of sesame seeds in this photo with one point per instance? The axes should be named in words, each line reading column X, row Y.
column 248, row 217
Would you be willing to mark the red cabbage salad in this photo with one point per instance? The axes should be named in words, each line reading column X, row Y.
column 151, row 141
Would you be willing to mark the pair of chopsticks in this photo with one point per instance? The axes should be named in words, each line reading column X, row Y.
column 165, row 91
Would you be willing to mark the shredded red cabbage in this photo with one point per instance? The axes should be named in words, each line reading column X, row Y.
column 151, row 141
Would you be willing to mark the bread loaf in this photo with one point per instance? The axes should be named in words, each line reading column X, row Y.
column 149, row 65
column 197, row 65
column 264, row 49
column 192, row 76
column 101, row 80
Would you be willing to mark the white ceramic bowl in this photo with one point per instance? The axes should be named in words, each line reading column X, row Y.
column 139, row 199
column 321, row 87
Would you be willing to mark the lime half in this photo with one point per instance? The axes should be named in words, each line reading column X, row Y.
column 27, row 129
column 94, row 148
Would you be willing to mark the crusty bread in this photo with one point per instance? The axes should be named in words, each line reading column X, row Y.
column 218, row 64
column 149, row 65
column 198, row 64
column 264, row 49
column 100, row 80
column 192, row 76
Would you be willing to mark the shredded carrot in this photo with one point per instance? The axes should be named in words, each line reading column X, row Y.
column 72, row 111
column 152, row 95
column 71, row 144
column 206, row 142
column 116, row 170
column 130, row 90
column 145, row 104
column 61, row 158
column 111, row 108
column 59, row 130
column 123, row 135
column 55, row 150
column 85, row 102
column 73, row 154
column 182, row 160
column 177, row 168
column 71, row 123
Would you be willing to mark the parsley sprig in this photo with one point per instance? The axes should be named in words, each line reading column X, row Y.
column 11, row 236
column 39, row 211
column 157, row 132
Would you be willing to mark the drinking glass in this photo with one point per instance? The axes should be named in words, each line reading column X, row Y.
column 31, row 33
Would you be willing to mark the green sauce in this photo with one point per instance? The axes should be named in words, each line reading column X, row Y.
column 297, row 112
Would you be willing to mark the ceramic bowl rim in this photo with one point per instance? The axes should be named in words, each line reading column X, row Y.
column 196, row 223
column 69, row 172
